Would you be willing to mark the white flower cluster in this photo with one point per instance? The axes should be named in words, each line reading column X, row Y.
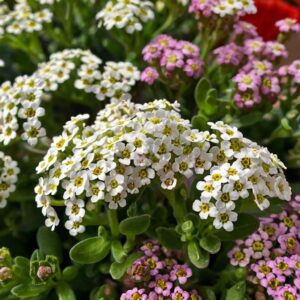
column 128, row 14
column 131, row 144
column 237, row 169
column 234, row 7
column 22, row 18
column 23, row 98
column 2, row 63
column 8, row 177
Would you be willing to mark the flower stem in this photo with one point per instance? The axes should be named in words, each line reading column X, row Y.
column 113, row 222
column 54, row 202
column 179, row 208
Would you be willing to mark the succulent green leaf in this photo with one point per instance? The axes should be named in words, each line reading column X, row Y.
column 90, row 251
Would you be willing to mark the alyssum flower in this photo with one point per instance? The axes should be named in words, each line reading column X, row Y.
column 23, row 98
column 272, row 253
column 171, row 58
column 8, row 177
column 22, row 19
column 158, row 274
column 128, row 14
column 131, row 144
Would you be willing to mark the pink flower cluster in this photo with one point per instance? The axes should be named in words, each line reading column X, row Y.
column 158, row 275
column 169, row 58
column 273, row 253
column 288, row 25
column 256, row 61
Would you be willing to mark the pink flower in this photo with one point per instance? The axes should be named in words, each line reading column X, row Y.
column 247, row 99
column 151, row 52
column 247, row 81
column 149, row 75
column 193, row 67
column 162, row 285
column 180, row 272
column 179, row 293
column 135, row 293
column 229, row 54
column 172, row 59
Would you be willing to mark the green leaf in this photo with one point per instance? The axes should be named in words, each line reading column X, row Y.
column 211, row 244
column 285, row 124
column 280, row 132
column 237, row 292
column 245, row 225
column 200, row 122
column 135, row 225
column 90, row 251
column 69, row 273
column 198, row 257
column 210, row 105
column 247, row 120
column 202, row 88
column 169, row 238
column 6, row 288
column 117, row 270
column 28, row 290
column 65, row 292
column 49, row 242
column 207, row 293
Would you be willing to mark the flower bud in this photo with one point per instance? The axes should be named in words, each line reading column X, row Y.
column 5, row 274
column 5, row 257
column 44, row 272
column 187, row 227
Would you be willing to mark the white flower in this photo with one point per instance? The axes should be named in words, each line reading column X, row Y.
column 96, row 191
column 78, row 182
column 224, row 219
column 205, row 208
column 282, row 188
column 33, row 131
column 114, row 184
column 52, row 219
column 74, row 227
column 118, row 200
column 208, row 190
column 75, row 209
column 168, row 182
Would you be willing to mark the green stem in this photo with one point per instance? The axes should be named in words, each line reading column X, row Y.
column 129, row 244
column 55, row 202
column 166, row 24
column 113, row 222
column 179, row 208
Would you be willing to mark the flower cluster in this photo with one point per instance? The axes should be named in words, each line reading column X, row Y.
column 288, row 25
column 131, row 144
column 170, row 58
column 8, row 177
column 23, row 97
column 128, row 14
column 159, row 275
column 22, row 18
column 273, row 253
column 221, row 8
column 238, row 169
column 256, row 61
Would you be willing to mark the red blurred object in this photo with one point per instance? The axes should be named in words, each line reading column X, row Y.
column 270, row 11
